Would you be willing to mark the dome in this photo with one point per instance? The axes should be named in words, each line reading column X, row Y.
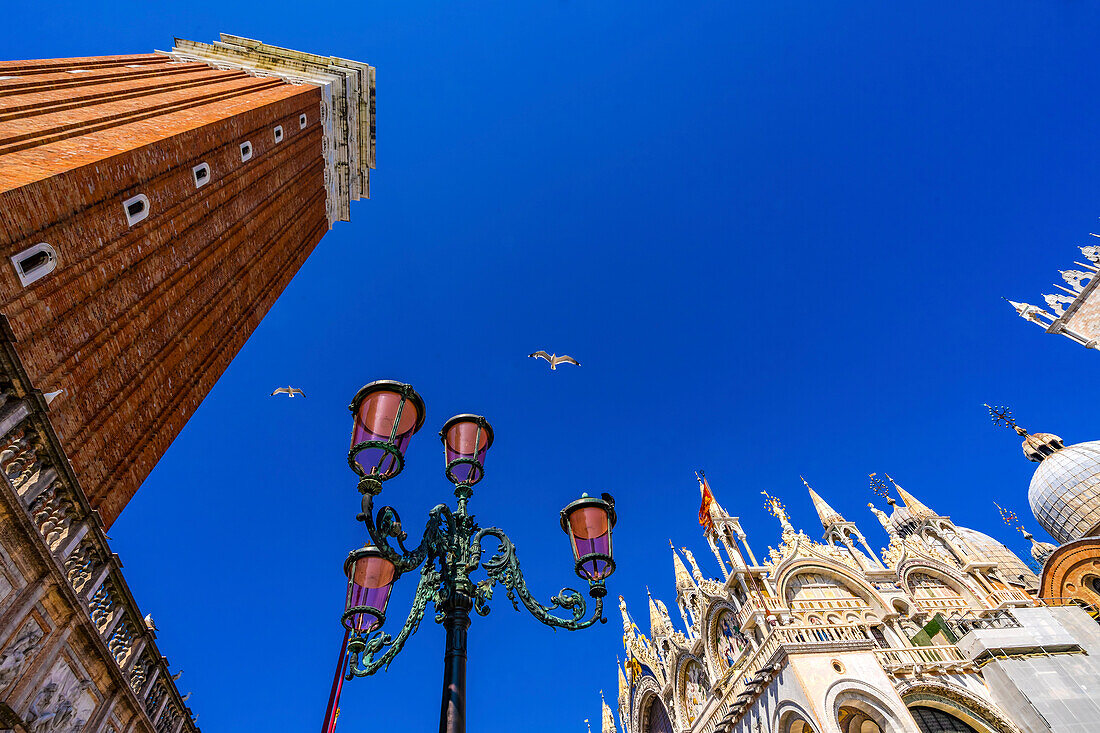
column 902, row 520
column 1009, row 563
column 1065, row 490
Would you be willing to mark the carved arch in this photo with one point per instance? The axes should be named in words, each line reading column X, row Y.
column 785, row 715
column 867, row 698
column 848, row 576
column 950, row 576
column 646, row 690
column 679, row 689
column 715, row 664
column 960, row 702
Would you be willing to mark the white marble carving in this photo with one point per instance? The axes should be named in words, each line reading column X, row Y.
column 16, row 656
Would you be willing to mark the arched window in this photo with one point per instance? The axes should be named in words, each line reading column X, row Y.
column 928, row 588
column 246, row 151
column 853, row 720
column 34, row 262
column 201, row 174
column 934, row 720
column 302, row 121
column 816, row 591
column 278, row 133
column 136, row 208
column 655, row 719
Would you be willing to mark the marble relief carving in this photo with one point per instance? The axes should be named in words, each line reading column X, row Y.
column 21, row 651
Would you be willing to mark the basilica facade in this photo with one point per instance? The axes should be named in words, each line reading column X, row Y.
column 943, row 631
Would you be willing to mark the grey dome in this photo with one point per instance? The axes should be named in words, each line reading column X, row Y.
column 1008, row 562
column 1065, row 492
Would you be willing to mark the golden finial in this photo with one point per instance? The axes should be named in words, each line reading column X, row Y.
column 773, row 505
column 1002, row 415
column 1010, row 518
column 776, row 508
column 880, row 488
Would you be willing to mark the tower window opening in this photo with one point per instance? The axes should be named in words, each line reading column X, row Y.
column 302, row 121
column 246, row 151
column 278, row 133
column 201, row 173
column 34, row 263
column 137, row 208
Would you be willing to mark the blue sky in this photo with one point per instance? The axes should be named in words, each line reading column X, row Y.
column 776, row 235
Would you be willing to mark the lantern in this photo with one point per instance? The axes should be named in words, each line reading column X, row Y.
column 370, row 579
column 588, row 521
column 387, row 414
column 466, row 440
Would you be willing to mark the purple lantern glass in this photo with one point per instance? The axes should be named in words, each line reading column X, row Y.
column 588, row 522
column 466, row 440
column 387, row 415
column 370, row 579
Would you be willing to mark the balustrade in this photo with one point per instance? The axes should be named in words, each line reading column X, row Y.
column 1010, row 596
column 829, row 604
column 923, row 659
column 940, row 604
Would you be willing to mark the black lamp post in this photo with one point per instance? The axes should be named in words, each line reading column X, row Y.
column 387, row 415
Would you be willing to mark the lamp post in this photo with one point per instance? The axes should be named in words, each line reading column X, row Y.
column 387, row 415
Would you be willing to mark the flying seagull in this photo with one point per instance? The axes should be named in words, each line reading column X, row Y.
column 554, row 359
column 290, row 391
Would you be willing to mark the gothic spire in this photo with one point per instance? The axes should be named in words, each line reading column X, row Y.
column 914, row 506
column 629, row 627
column 825, row 513
column 683, row 580
column 659, row 622
column 623, row 689
column 608, row 721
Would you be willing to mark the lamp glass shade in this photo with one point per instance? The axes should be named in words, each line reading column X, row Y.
column 466, row 440
column 385, row 415
column 590, row 534
column 370, row 579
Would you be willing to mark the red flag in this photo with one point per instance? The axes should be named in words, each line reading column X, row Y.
column 333, row 710
column 707, row 499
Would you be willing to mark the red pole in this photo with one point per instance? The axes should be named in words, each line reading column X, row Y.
column 333, row 710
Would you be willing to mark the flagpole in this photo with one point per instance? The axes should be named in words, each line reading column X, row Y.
column 333, row 709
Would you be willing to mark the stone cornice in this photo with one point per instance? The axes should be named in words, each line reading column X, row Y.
column 347, row 106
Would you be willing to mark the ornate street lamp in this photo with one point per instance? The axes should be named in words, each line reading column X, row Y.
column 387, row 415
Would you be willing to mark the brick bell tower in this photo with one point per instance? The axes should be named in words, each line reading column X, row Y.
column 152, row 208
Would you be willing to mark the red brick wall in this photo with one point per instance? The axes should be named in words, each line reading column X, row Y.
column 137, row 323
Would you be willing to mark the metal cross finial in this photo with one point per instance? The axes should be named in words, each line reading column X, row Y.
column 776, row 508
column 1011, row 519
column 879, row 488
column 1007, row 515
column 1002, row 415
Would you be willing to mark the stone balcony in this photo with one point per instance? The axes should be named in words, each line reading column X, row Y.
column 742, row 683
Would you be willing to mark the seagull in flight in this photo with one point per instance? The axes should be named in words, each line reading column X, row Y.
column 290, row 391
column 554, row 359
